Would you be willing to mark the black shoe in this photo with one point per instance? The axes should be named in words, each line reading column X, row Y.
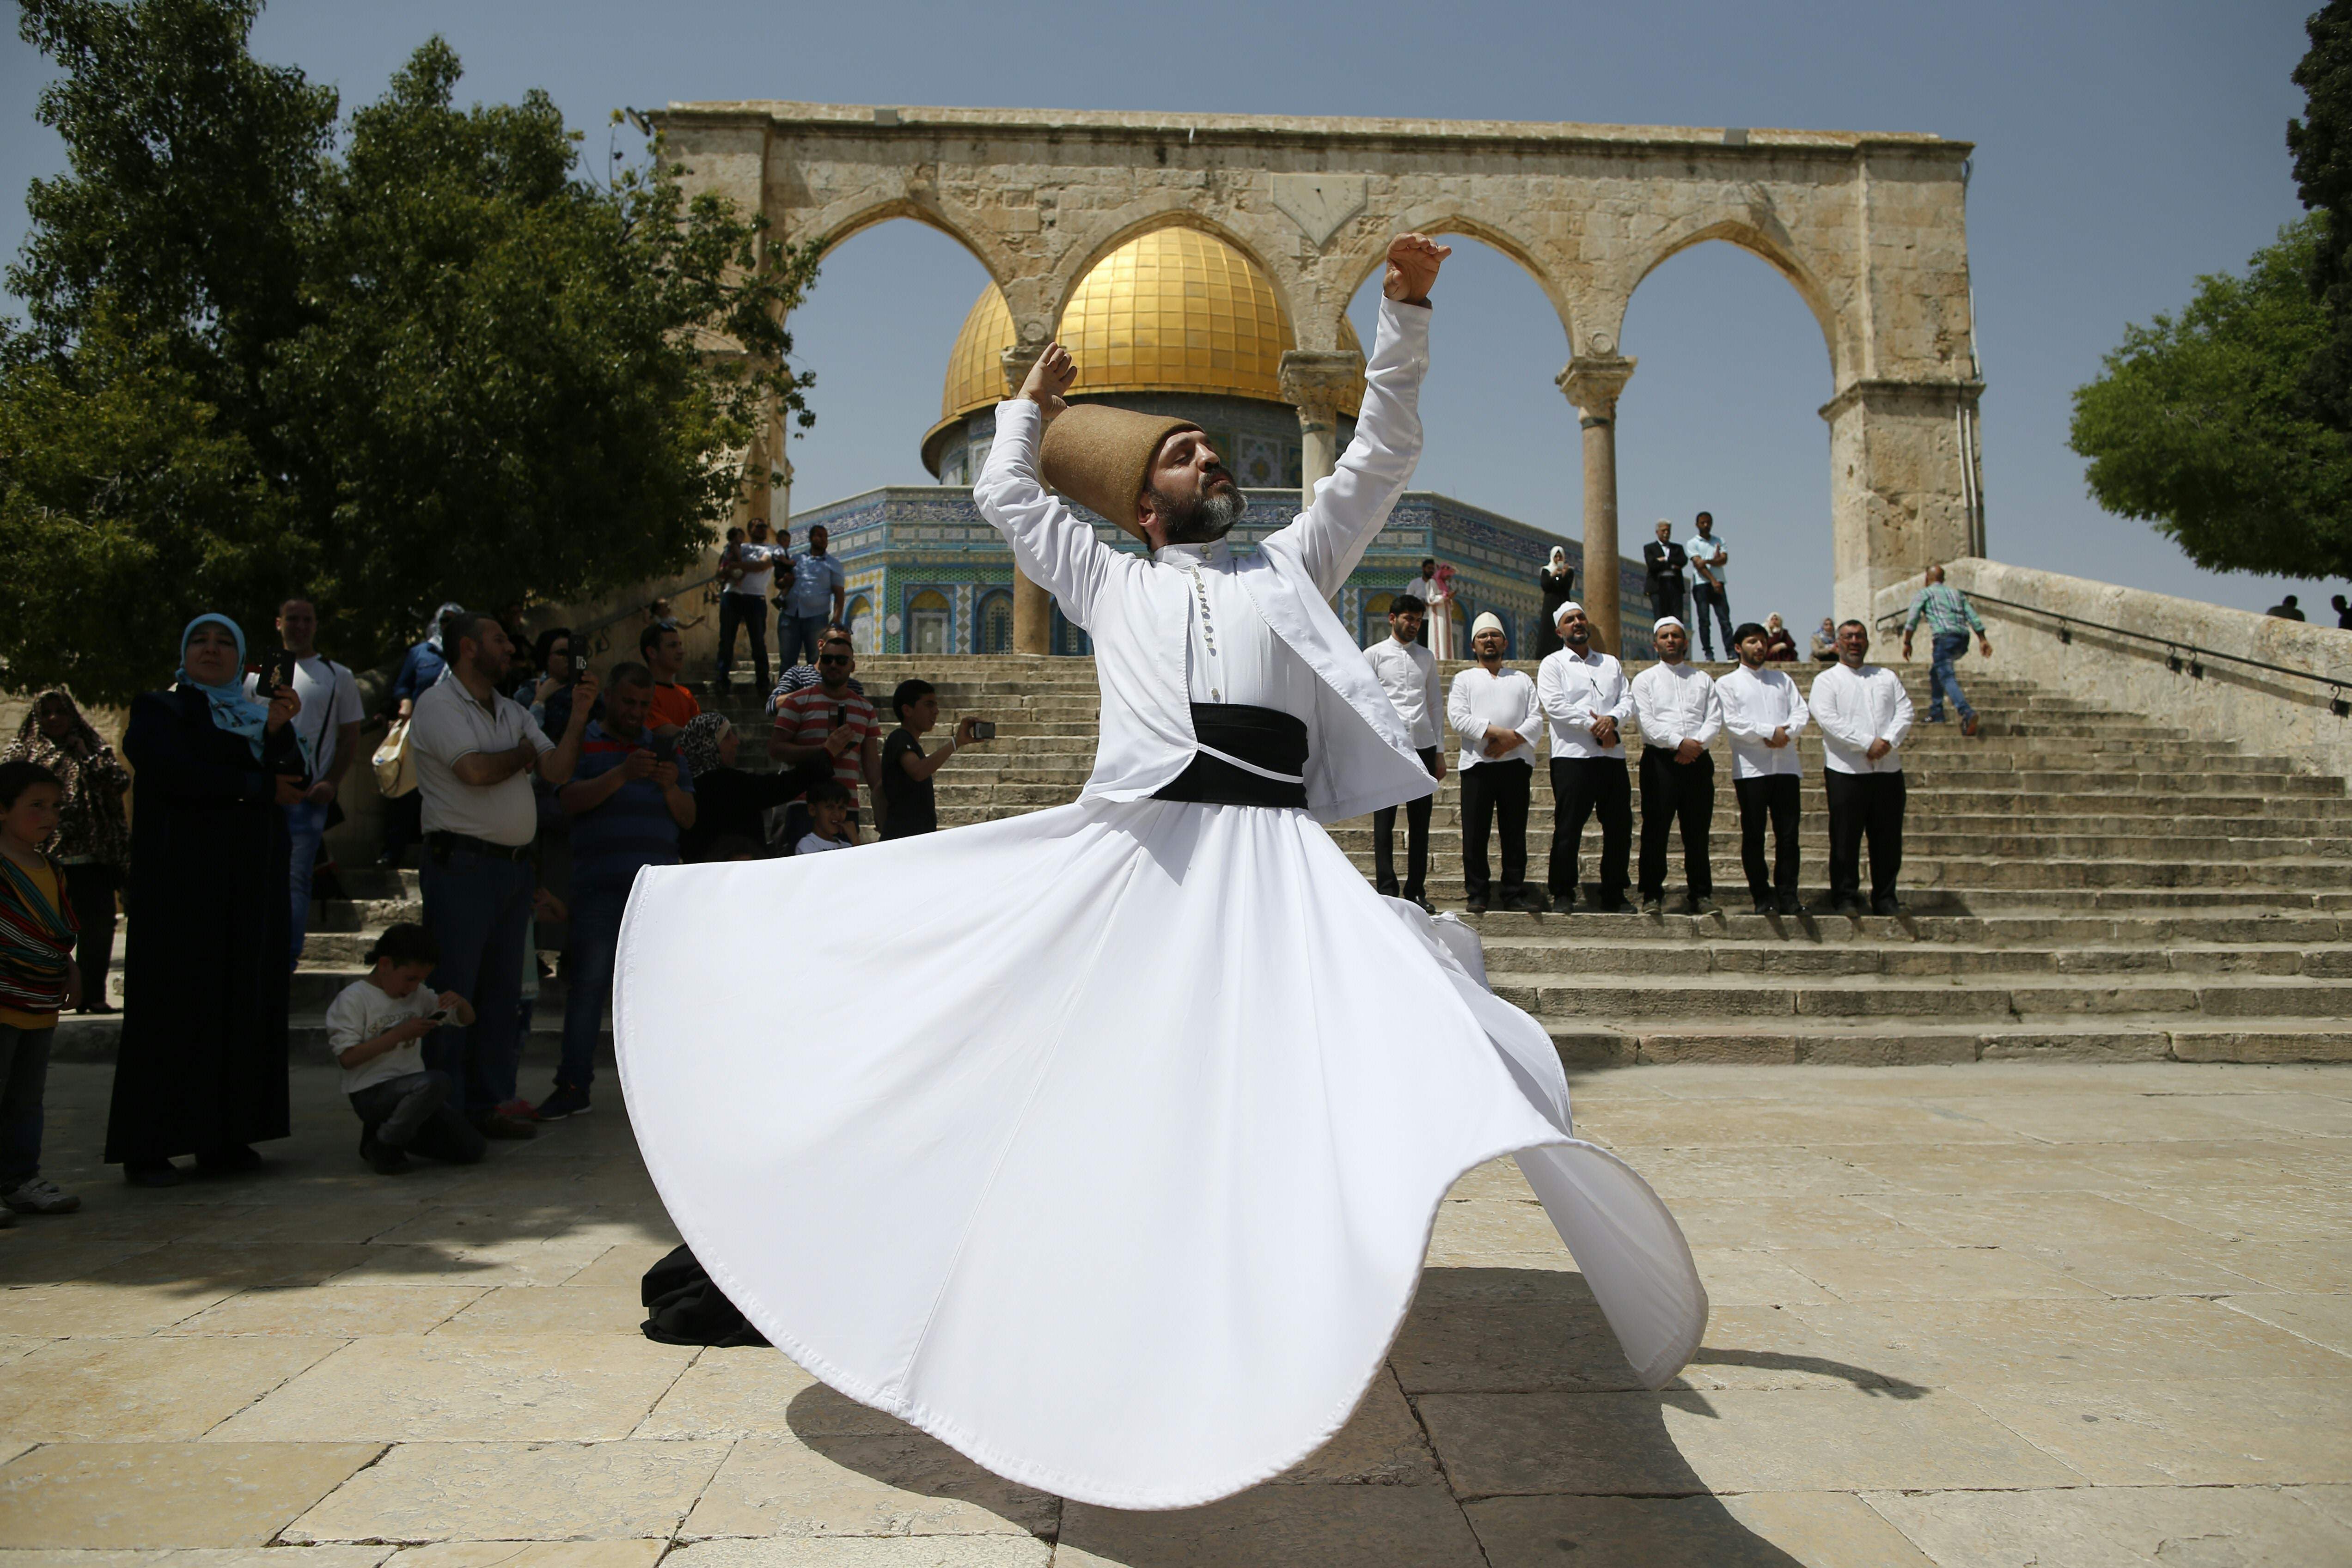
column 1847, row 903
column 1527, row 901
column 1423, row 900
column 1653, row 905
column 1623, row 906
column 1890, row 905
column 564, row 1102
column 1765, row 906
column 1703, row 904
column 1791, row 905
column 381, row 1157
column 230, row 1159
column 1475, row 906
column 151, row 1173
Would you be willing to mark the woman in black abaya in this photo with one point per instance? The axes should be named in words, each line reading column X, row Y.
column 1555, row 582
column 202, row 1069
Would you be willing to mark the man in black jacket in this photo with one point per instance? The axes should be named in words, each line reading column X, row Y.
column 1664, row 561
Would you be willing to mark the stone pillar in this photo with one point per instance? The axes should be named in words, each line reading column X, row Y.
column 1901, row 492
column 1315, row 380
column 1593, row 383
column 1033, row 607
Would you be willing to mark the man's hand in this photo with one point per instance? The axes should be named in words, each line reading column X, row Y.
column 289, row 790
column 1779, row 738
column 584, row 697
column 964, row 736
column 839, row 740
column 1413, row 261
column 1907, row 644
column 1877, row 749
column 1500, row 740
column 640, row 763
column 1440, row 772
column 545, row 905
column 1688, row 751
column 1984, row 644
column 1604, row 731
column 1049, row 378
column 318, row 794
column 664, row 774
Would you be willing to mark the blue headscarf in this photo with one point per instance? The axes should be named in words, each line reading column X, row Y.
column 232, row 709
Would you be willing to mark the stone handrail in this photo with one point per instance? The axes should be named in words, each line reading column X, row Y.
column 2274, row 686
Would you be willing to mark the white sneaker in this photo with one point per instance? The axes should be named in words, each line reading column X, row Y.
column 36, row 1194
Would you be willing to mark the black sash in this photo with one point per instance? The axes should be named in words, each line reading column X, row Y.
column 1263, row 738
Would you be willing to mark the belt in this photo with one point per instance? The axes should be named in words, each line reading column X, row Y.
column 1242, row 756
column 443, row 842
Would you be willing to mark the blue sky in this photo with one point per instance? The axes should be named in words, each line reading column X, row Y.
column 2122, row 149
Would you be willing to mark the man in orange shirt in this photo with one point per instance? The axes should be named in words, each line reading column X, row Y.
column 664, row 651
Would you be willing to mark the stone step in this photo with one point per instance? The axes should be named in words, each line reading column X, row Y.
column 1565, row 961
column 1864, row 1043
column 1734, row 995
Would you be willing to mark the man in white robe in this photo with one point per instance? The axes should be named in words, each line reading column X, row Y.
column 1126, row 1201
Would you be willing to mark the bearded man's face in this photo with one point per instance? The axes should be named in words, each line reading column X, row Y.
column 1192, row 498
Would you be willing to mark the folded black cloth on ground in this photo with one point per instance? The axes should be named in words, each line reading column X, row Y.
column 684, row 1308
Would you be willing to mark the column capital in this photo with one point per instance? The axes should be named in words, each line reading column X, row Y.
column 1017, row 362
column 1319, row 378
column 1594, row 381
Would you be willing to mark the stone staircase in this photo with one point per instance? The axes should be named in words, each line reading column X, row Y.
column 2080, row 885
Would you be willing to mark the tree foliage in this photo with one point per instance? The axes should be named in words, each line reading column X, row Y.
column 411, row 358
column 2202, row 425
column 2322, row 143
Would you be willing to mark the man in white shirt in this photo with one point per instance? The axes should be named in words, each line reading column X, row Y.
column 1863, row 713
column 1676, row 704
column 1710, row 582
column 1408, row 673
column 1587, row 705
column 329, row 726
column 744, row 602
column 1493, row 708
column 474, row 751
column 1763, row 716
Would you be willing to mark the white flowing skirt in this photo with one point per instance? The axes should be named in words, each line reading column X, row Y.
column 1103, row 1142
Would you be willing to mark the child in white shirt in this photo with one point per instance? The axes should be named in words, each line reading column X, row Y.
column 828, row 806
column 375, row 1029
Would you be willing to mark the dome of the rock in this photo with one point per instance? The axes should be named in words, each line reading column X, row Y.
column 1174, row 321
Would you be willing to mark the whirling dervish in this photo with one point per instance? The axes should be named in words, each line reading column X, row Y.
column 1107, row 1145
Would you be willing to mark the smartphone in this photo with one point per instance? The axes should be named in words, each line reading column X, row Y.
column 664, row 748
column 273, row 673
column 983, row 729
column 438, row 1016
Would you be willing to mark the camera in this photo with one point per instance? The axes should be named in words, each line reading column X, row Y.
column 983, row 729
column 273, row 673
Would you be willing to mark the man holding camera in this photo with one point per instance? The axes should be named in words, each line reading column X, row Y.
column 627, row 800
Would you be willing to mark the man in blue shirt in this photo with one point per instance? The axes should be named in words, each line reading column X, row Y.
column 818, row 593
column 1950, row 618
column 629, row 797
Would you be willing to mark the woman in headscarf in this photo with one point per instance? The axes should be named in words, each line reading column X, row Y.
column 1555, row 580
column 202, row 1067
column 93, row 840
column 728, row 799
column 1780, row 647
column 403, row 816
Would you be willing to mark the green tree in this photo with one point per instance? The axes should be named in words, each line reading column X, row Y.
column 2322, row 143
column 2202, row 425
column 442, row 364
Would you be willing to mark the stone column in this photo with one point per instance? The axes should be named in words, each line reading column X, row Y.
column 1900, row 487
column 1033, row 607
column 1593, row 383
column 1315, row 380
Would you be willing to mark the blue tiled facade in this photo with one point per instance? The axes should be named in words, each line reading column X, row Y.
column 927, row 574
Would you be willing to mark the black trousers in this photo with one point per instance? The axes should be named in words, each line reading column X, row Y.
column 1416, row 840
column 1488, row 790
column 1676, row 792
column 1666, row 596
column 1862, row 803
column 90, row 888
column 749, row 611
column 1776, row 797
column 1579, row 787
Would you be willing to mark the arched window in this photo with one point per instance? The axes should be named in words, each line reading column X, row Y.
column 927, row 614
column 1376, row 620
column 859, row 613
column 1069, row 638
column 994, row 635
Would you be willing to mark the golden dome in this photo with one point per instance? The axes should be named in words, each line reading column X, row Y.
column 1175, row 311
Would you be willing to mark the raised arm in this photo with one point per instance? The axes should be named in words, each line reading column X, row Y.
column 1054, row 547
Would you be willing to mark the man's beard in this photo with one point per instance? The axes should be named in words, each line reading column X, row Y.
column 1210, row 516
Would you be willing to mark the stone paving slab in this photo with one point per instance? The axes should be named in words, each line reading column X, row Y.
column 1980, row 1314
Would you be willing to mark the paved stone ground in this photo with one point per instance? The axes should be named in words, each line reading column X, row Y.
column 1984, row 1314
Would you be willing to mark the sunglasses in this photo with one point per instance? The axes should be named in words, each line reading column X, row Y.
column 833, row 658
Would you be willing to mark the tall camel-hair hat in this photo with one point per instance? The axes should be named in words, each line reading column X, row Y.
column 1100, row 457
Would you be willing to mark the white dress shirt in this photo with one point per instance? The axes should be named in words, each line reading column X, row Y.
column 1573, row 690
column 1503, row 700
column 1676, row 702
column 1853, row 707
column 1408, row 673
column 1755, row 704
column 1232, row 655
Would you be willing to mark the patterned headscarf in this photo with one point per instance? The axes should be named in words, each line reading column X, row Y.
column 698, row 743
column 90, row 820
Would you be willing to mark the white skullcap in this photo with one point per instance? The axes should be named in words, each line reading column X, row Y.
column 1489, row 622
column 1562, row 613
column 1667, row 621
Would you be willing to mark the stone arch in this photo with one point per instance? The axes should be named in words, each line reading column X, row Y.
column 1777, row 251
column 998, row 265
column 1371, row 255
